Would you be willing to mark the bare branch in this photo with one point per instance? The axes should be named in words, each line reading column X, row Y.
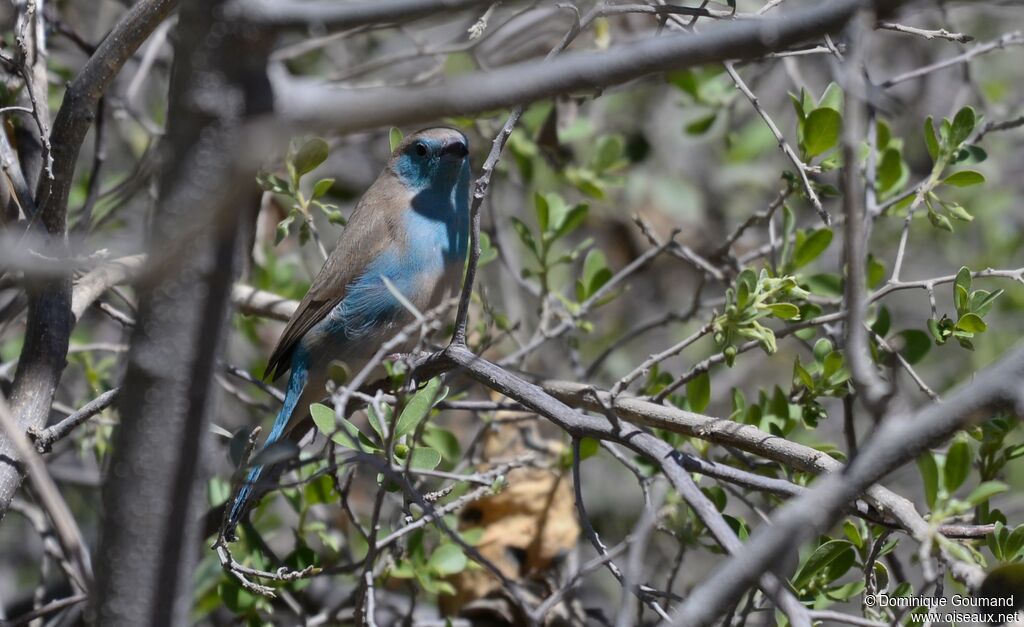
column 484, row 91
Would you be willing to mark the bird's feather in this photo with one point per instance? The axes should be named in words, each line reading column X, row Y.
column 370, row 231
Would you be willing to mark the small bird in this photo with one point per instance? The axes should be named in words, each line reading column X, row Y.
column 411, row 227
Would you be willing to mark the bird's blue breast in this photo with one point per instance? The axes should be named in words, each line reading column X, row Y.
column 429, row 261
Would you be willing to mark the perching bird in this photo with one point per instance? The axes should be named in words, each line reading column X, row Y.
column 411, row 227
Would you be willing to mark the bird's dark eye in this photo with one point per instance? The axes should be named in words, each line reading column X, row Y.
column 421, row 149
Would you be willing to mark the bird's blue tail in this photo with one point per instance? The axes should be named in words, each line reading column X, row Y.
column 296, row 383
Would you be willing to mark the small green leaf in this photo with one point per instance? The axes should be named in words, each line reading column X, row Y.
column 419, row 406
column 957, row 212
column 963, row 124
column 425, row 459
column 832, row 98
column 542, row 209
column 322, row 186
column 698, row 392
column 443, row 441
column 820, row 563
column 940, row 222
column 930, row 476
column 595, row 273
column 972, row 323
column 915, row 345
column 701, row 124
column 890, row 169
column 981, row 301
column 784, row 311
column 964, row 178
column 395, row 137
column 588, row 448
column 447, row 559
column 821, row 131
column 310, row 155
column 961, row 288
column 572, row 220
column 345, row 434
column 525, row 236
column 957, row 466
column 875, row 271
column 882, row 322
column 323, row 418
column 985, row 491
column 608, row 153
column 811, row 247
column 929, row 138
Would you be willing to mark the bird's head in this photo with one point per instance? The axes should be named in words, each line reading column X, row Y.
column 431, row 158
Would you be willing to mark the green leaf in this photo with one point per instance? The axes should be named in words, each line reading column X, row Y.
column 323, row 418
column 832, row 98
column 957, row 212
column 882, row 134
column 964, row 178
column 542, row 209
column 957, row 466
column 826, row 562
column 322, row 186
column 525, row 236
column 963, row 124
column 319, row 490
column 447, row 559
column 890, row 169
column 929, row 138
column 930, row 476
column 916, row 345
column 701, row 124
column 310, row 155
column 346, row 434
column 940, row 222
column 811, row 247
column 985, row 491
column 572, row 220
column 972, row 323
column 784, row 311
column 687, row 81
column 395, row 137
column 875, row 271
column 595, row 274
column 425, row 459
column 698, row 392
column 961, row 289
column 419, row 406
column 882, row 322
column 377, row 421
column 588, row 448
column 443, row 441
column 608, row 153
column 821, row 131
column 981, row 301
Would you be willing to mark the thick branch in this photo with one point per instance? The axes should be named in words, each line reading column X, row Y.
column 49, row 315
column 341, row 15
column 656, row 450
column 349, row 110
column 152, row 496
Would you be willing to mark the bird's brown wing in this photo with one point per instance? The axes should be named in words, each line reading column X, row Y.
column 370, row 229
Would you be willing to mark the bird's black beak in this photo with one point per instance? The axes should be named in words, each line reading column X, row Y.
column 454, row 151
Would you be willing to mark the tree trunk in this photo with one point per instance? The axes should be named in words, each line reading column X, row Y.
column 152, row 496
